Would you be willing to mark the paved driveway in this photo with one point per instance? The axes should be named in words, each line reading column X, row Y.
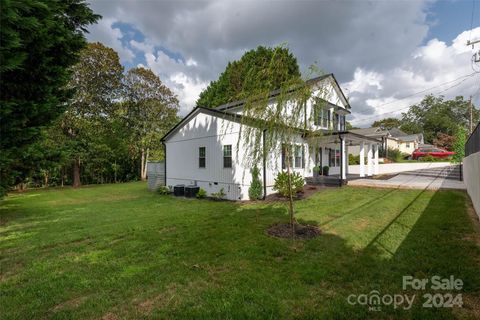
column 431, row 178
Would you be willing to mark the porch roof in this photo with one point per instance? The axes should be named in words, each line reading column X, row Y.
column 334, row 137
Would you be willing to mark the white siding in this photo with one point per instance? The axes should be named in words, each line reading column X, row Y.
column 182, row 156
column 328, row 92
column 213, row 133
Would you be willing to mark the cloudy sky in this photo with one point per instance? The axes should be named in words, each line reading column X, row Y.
column 385, row 54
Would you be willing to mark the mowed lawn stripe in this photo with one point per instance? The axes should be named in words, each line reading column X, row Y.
column 119, row 251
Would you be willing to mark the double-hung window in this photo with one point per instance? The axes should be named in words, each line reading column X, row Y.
column 336, row 122
column 299, row 155
column 201, row 157
column 317, row 115
column 227, row 156
column 326, row 118
column 333, row 157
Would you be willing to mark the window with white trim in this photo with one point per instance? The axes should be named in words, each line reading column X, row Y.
column 201, row 157
column 326, row 118
column 299, row 156
column 227, row 156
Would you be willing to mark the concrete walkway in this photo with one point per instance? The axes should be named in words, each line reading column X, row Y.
column 431, row 179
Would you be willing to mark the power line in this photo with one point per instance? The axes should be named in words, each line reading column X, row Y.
column 425, row 90
column 393, row 111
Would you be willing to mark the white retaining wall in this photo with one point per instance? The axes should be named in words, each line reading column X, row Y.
column 399, row 167
column 471, row 178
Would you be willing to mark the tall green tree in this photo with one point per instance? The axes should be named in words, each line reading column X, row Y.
column 240, row 76
column 460, row 139
column 388, row 123
column 435, row 114
column 150, row 110
column 97, row 80
column 40, row 41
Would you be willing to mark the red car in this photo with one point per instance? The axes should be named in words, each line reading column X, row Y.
column 419, row 153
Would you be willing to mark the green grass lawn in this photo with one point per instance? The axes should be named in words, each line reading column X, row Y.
column 119, row 251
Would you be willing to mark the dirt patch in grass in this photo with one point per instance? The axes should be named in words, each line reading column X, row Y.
column 76, row 242
column 159, row 301
column 361, row 225
column 109, row 316
column 470, row 308
column 300, row 231
column 70, row 304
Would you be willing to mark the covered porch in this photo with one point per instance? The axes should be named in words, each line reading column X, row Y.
column 331, row 150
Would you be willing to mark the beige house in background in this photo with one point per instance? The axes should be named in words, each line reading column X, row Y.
column 406, row 144
column 391, row 138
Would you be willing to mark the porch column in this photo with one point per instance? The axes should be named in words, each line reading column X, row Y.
column 370, row 160
column 343, row 160
column 362, row 159
column 375, row 163
column 346, row 159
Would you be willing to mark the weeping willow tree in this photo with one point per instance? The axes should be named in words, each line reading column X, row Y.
column 273, row 122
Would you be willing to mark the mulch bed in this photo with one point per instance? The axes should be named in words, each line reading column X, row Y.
column 284, row 230
column 308, row 190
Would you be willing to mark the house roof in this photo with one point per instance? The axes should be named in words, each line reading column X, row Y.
column 410, row 137
column 216, row 113
column 370, row 132
column 396, row 133
column 274, row 93
column 242, row 119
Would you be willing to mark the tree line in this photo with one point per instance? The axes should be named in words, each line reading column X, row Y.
column 440, row 120
column 110, row 128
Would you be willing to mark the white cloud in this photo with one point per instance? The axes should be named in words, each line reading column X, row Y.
column 188, row 89
column 176, row 74
column 111, row 37
column 376, row 95
column 378, row 54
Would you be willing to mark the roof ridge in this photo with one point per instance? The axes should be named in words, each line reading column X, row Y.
column 240, row 102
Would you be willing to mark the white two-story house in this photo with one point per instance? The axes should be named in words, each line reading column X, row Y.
column 203, row 149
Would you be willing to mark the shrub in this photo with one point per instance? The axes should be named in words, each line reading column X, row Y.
column 201, row 193
column 325, row 170
column 396, row 155
column 428, row 158
column 317, row 169
column 163, row 190
column 218, row 195
column 353, row 159
column 281, row 183
column 255, row 190
column 459, row 145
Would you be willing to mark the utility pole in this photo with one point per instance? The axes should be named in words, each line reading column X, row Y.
column 476, row 55
column 476, row 59
column 471, row 115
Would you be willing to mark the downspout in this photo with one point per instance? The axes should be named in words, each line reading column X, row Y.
column 264, row 165
column 165, row 163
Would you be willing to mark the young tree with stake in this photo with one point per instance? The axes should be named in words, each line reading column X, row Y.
column 268, row 126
